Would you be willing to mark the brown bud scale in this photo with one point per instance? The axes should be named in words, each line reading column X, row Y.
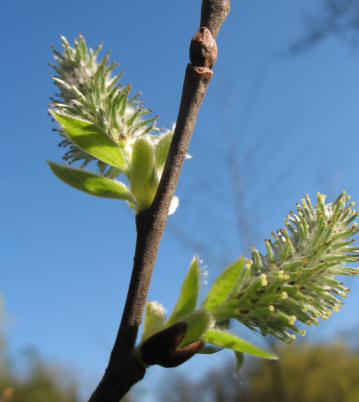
column 162, row 348
column 203, row 49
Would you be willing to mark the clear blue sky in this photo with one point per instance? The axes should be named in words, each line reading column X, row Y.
column 65, row 257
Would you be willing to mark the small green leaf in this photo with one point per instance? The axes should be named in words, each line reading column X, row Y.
column 198, row 324
column 162, row 148
column 223, row 285
column 90, row 182
column 92, row 140
column 143, row 179
column 230, row 341
column 154, row 319
column 187, row 299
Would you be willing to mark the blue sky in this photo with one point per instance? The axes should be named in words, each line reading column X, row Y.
column 291, row 122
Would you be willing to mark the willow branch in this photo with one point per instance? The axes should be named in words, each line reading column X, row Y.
column 124, row 370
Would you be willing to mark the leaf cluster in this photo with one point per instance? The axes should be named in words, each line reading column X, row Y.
column 295, row 281
column 100, row 122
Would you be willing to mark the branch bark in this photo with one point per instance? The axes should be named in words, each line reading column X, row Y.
column 124, row 369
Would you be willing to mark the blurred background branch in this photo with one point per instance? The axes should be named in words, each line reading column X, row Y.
column 328, row 18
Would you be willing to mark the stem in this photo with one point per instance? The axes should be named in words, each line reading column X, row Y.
column 124, row 369
column 150, row 223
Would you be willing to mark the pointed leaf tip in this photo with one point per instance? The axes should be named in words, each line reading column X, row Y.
column 91, row 139
column 230, row 341
column 223, row 285
column 187, row 299
column 91, row 183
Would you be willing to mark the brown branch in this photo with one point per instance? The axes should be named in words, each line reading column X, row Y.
column 124, row 369
column 213, row 13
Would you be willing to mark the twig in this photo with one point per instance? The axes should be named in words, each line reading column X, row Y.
column 124, row 369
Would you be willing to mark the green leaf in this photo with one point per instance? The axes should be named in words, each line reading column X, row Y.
column 223, row 285
column 230, row 341
column 92, row 140
column 90, row 182
column 143, row 179
column 162, row 148
column 187, row 299
column 198, row 324
column 154, row 319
